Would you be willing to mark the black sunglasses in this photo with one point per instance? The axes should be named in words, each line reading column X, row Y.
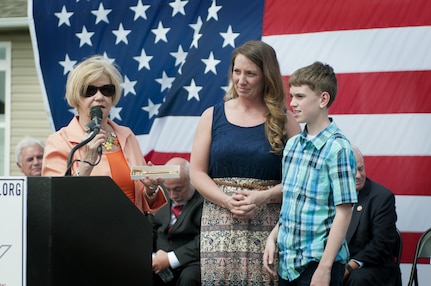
column 106, row 90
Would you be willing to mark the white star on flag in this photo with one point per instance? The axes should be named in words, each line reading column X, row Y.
column 151, row 108
column 197, row 26
column 160, row 33
column 229, row 37
column 180, row 56
column 101, row 14
column 115, row 113
column 67, row 64
column 165, row 81
column 140, row 10
column 193, row 90
column 63, row 16
column 85, row 37
column 143, row 60
column 121, row 34
column 178, row 7
column 129, row 86
column 212, row 11
column 211, row 63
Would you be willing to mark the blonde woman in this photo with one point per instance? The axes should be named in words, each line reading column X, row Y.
column 95, row 82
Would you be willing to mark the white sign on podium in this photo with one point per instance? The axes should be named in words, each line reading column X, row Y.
column 13, row 230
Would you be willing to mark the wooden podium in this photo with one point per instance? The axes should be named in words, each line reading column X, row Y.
column 85, row 231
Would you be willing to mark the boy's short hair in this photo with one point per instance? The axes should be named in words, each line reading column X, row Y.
column 319, row 77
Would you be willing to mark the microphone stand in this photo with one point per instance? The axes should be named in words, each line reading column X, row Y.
column 94, row 129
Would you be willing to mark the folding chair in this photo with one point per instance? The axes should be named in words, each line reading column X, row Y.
column 423, row 250
column 398, row 248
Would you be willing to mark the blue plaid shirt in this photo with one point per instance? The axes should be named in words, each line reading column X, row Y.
column 318, row 174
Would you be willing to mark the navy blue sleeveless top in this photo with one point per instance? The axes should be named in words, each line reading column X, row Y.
column 242, row 152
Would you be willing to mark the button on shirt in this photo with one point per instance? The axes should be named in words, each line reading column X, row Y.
column 318, row 174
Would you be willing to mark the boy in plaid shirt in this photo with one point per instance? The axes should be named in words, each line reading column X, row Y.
column 318, row 188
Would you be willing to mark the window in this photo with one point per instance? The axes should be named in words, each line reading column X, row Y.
column 5, row 83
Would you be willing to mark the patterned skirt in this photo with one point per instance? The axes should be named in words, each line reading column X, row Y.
column 232, row 249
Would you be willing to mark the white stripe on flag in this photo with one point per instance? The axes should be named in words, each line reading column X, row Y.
column 171, row 134
column 413, row 213
column 388, row 134
column 424, row 273
column 367, row 50
column 176, row 133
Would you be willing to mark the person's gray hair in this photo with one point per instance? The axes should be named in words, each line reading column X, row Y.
column 356, row 148
column 24, row 142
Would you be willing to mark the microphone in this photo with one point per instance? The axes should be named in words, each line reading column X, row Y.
column 96, row 118
column 94, row 127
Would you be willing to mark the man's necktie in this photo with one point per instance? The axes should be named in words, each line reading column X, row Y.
column 176, row 210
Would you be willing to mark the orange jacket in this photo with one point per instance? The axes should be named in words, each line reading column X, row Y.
column 59, row 144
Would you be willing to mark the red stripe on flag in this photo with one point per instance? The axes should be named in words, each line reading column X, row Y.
column 295, row 17
column 160, row 158
column 390, row 171
column 410, row 240
column 382, row 93
column 403, row 175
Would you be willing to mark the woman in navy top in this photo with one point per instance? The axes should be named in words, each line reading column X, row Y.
column 236, row 166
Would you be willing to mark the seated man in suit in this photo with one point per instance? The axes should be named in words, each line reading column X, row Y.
column 176, row 234
column 371, row 235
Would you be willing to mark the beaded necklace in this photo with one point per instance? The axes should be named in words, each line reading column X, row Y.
column 110, row 141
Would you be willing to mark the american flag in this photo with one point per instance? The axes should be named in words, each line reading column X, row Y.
column 174, row 56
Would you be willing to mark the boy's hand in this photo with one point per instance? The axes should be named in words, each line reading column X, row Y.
column 268, row 256
column 321, row 277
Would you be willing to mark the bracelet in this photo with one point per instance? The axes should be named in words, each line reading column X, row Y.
column 349, row 268
column 153, row 194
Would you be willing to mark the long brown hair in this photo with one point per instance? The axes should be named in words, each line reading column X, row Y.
column 274, row 91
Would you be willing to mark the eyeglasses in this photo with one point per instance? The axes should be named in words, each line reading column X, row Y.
column 106, row 90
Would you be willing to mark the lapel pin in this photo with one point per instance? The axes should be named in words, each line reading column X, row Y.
column 359, row 208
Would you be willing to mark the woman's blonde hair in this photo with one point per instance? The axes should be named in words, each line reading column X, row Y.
column 274, row 90
column 88, row 71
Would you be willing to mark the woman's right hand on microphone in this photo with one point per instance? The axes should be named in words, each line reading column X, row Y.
column 91, row 153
